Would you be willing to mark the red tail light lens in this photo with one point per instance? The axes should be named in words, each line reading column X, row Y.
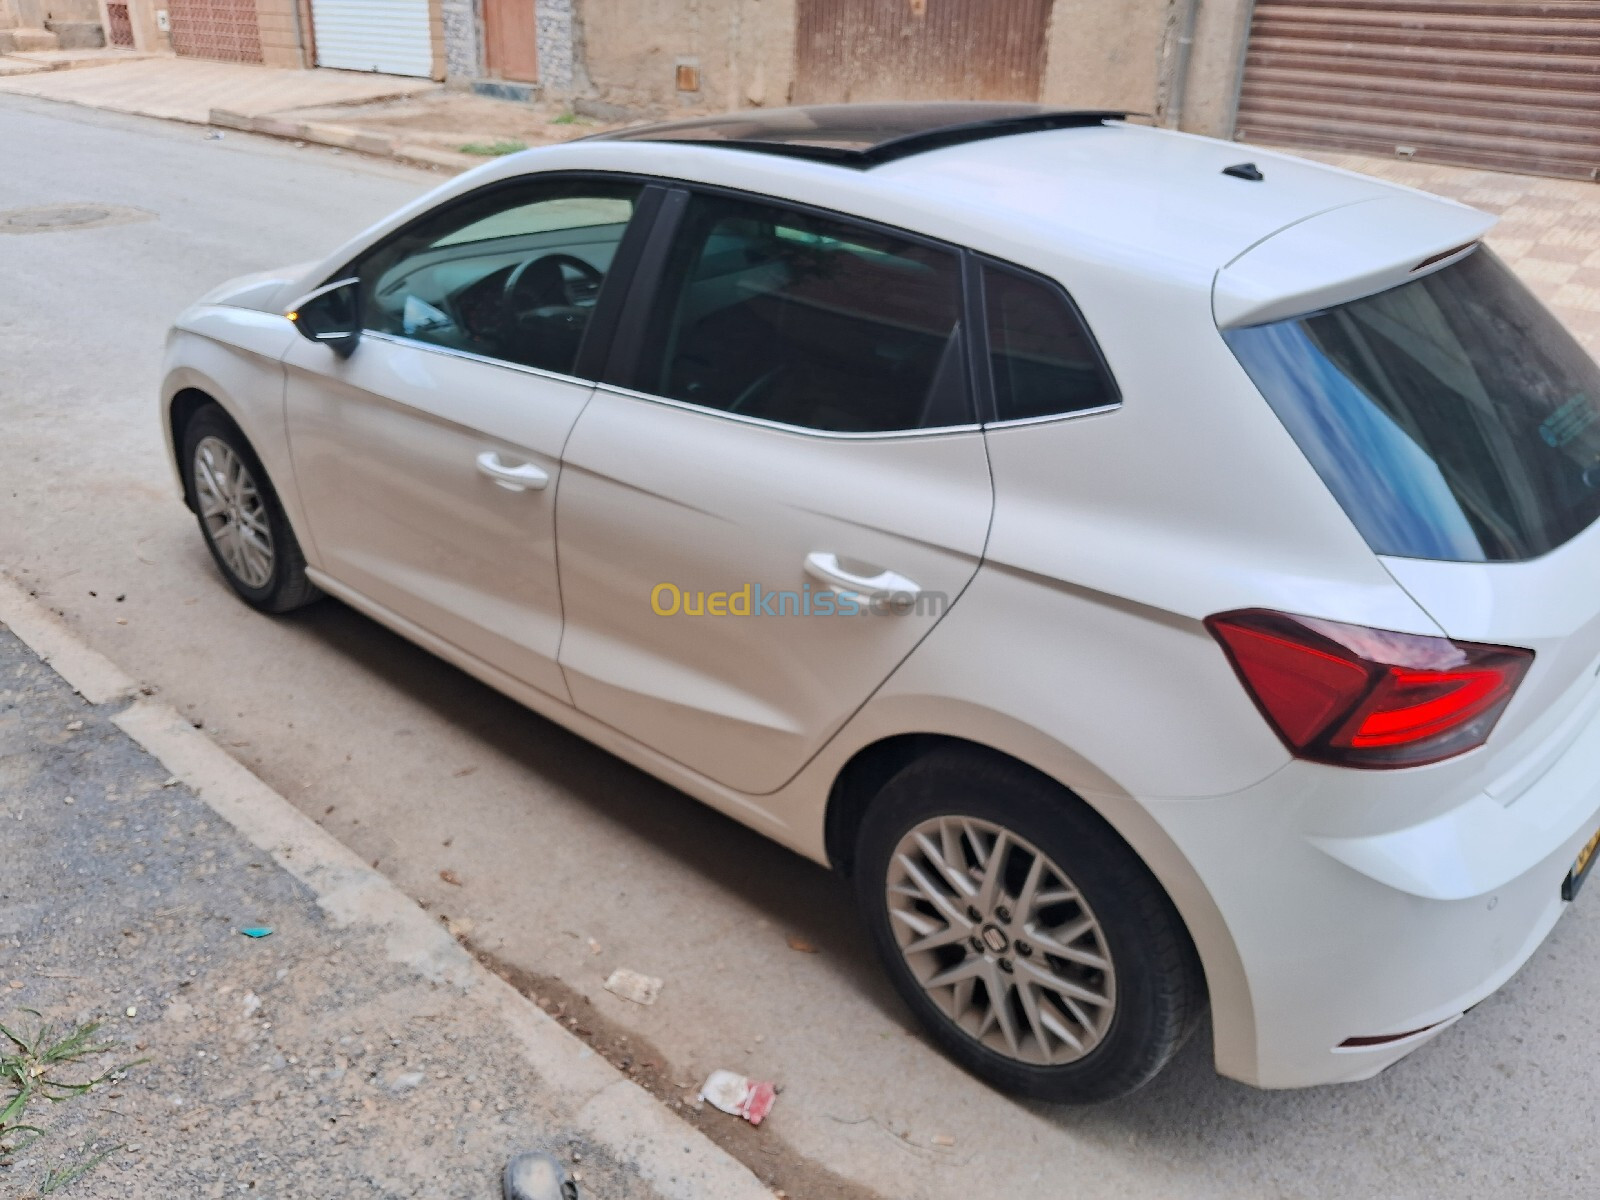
column 1361, row 697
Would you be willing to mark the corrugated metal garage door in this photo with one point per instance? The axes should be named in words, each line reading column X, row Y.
column 919, row 50
column 1510, row 86
column 390, row 36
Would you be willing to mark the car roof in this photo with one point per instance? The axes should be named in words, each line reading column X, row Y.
column 1041, row 187
column 1086, row 184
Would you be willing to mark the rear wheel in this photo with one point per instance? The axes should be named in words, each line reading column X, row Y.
column 1029, row 939
column 240, row 516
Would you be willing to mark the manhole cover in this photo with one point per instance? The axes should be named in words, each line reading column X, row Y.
column 49, row 217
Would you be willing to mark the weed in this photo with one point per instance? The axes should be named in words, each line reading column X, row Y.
column 59, row 1178
column 567, row 118
column 493, row 149
column 31, row 1070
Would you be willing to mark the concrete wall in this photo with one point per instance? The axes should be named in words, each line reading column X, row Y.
column 620, row 58
column 69, row 10
column 1211, row 94
column 1121, row 54
column 1177, row 61
column 146, row 34
column 279, row 45
column 1110, row 54
column 627, row 54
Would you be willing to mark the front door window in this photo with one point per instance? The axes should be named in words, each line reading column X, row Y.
column 512, row 273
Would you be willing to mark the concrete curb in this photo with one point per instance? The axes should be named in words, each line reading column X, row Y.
column 32, row 60
column 676, row 1159
column 342, row 137
column 10, row 65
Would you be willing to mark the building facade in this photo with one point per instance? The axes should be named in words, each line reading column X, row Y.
column 1513, row 86
column 1479, row 82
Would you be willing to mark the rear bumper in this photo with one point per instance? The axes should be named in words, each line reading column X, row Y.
column 1344, row 932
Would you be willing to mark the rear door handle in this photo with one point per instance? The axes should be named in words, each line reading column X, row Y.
column 822, row 566
column 525, row 477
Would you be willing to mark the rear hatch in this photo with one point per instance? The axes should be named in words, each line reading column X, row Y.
column 1458, row 424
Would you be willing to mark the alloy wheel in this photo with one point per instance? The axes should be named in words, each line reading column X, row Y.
column 234, row 512
column 1001, row 940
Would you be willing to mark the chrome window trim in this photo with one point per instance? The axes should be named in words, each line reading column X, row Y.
column 763, row 423
column 400, row 339
column 541, row 373
column 1098, row 410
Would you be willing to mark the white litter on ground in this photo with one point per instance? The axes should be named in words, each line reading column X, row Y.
column 741, row 1097
column 630, row 985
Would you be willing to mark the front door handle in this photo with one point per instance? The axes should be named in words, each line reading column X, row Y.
column 822, row 566
column 522, row 478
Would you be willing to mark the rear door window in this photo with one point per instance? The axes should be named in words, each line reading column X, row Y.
column 782, row 315
column 1041, row 357
column 1452, row 417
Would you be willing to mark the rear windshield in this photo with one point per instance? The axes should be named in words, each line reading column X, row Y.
column 1453, row 417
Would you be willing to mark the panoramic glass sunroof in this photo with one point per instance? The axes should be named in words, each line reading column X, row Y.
column 862, row 135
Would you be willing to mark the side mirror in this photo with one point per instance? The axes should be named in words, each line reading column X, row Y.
column 331, row 315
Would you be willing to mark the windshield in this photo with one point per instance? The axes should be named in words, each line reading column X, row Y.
column 1452, row 417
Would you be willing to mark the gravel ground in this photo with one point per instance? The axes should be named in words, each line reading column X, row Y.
column 303, row 1064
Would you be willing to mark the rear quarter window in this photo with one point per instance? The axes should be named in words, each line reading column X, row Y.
column 1042, row 360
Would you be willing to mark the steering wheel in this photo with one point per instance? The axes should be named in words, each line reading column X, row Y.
column 542, row 283
column 756, row 390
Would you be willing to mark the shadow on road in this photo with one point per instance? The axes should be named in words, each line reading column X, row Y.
column 793, row 892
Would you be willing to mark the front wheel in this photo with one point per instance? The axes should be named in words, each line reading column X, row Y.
column 1029, row 939
column 240, row 515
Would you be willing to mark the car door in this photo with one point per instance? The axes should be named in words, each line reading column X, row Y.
column 427, row 461
column 779, row 491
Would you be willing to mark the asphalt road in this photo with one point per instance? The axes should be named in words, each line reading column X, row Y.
column 571, row 863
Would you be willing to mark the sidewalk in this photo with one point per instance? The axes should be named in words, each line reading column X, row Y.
column 387, row 115
column 187, row 89
column 356, row 1050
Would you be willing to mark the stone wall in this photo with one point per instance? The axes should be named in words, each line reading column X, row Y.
column 463, row 49
column 556, row 21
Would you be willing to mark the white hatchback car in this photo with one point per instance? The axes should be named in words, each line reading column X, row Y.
column 1153, row 577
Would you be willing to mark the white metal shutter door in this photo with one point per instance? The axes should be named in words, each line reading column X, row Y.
column 1513, row 86
column 389, row 36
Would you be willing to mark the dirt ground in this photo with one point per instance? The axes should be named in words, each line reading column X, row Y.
column 453, row 120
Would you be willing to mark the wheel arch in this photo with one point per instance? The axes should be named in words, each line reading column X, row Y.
column 252, row 399
column 182, row 406
column 871, row 765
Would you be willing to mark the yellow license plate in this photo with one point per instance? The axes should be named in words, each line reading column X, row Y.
column 1580, row 868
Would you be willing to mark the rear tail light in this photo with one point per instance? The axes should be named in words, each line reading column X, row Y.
column 1359, row 697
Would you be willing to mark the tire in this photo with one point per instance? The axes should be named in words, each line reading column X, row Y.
column 1151, row 993
column 240, row 516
